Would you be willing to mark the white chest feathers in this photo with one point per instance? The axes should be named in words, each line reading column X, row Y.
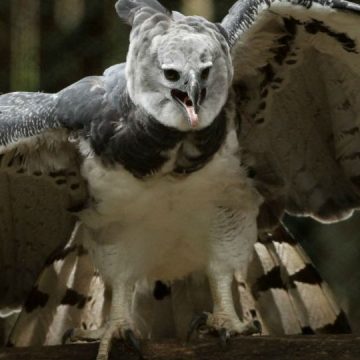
column 167, row 212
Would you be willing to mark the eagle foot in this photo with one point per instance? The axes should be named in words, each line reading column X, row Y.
column 133, row 341
column 106, row 335
column 222, row 326
column 82, row 335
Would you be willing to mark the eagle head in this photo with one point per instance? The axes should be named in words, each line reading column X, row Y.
column 178, row 68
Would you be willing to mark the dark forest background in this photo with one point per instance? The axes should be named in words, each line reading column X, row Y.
column 46, row 45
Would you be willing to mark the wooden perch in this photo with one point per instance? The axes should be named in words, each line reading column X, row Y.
column 344, row 347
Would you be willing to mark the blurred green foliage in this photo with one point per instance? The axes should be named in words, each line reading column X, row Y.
column 76, row 38
column 71, row 47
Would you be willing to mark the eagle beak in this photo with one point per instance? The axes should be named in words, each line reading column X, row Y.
column 192, row 103
column 190, row 100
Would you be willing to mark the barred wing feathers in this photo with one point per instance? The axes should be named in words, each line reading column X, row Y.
column 290, row 294
column 297, row 75
column 69, row 293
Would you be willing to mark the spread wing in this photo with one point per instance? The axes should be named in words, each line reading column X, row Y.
column 40, row 176
column 39, row 181
column 296, row 86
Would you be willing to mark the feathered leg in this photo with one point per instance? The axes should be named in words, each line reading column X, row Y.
column 119, row 326
column 224, row 316
column 232, row 241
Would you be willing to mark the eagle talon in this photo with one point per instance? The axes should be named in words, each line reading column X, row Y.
column 258, row 327
column 133, row 342
column 81, row 335
column 224, row 337
column 196, row 323
column 253, row 327
column 223, row 327
column 68, row 334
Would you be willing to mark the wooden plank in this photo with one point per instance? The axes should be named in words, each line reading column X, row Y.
column 344, row 347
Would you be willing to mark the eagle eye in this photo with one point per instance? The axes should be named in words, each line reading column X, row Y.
column 205, row 73
column 172, row 75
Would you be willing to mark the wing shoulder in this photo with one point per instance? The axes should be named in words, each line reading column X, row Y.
column 27, row 115
column 92, row 98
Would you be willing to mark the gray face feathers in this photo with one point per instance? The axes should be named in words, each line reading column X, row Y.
column 179, row 69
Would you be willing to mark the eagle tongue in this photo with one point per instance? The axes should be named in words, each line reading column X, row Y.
column 193, row 116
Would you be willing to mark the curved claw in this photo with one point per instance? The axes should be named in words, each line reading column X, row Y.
column 253, row 327
column 133, row 342
column 68, row 334
column 257, row 326
column 196, row 323
column 224, row 336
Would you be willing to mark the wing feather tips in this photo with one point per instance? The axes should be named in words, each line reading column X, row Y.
column 23, row 115
column 346, row 5
column 333, row 208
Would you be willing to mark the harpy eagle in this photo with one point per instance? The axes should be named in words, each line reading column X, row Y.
column 204, row 128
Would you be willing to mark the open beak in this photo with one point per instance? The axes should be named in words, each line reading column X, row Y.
column 190, row 100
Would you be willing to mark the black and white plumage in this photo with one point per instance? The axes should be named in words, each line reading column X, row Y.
column 196, row 105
